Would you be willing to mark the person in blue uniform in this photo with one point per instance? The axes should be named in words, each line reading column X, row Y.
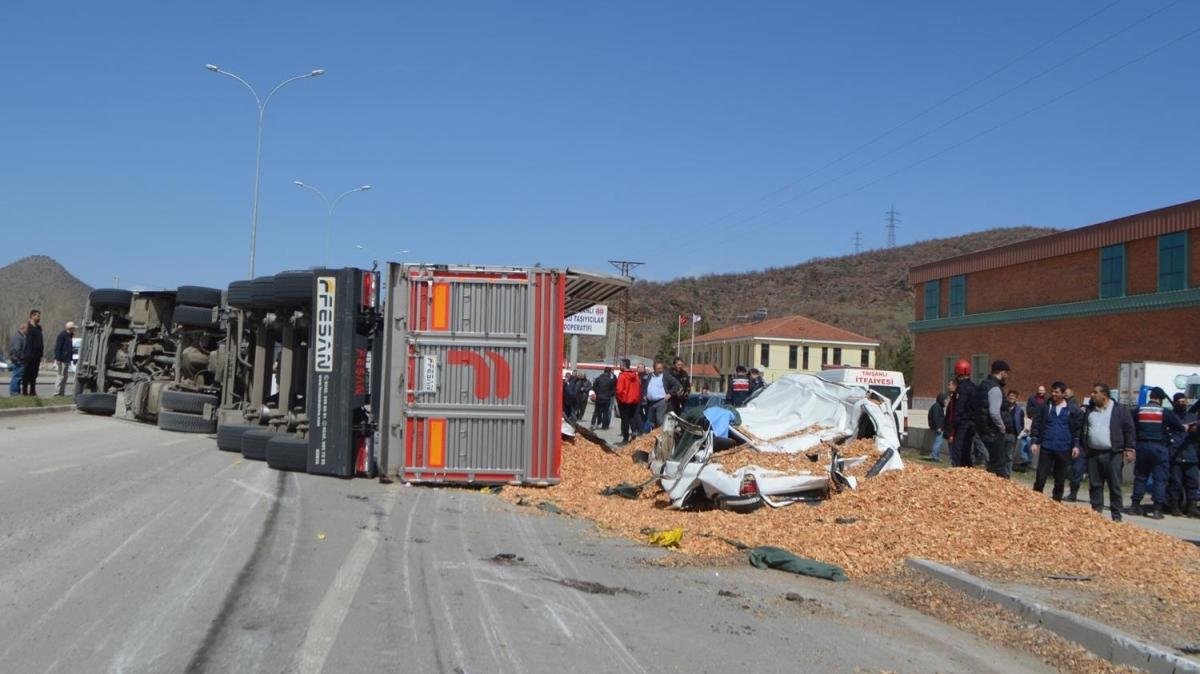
column 1155, row 425
column 1183, row 487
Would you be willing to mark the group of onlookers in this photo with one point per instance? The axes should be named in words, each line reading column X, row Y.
column 25, row 351
column 1095, row 438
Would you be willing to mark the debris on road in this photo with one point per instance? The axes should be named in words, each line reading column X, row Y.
column 669, row 538
column 770, row 557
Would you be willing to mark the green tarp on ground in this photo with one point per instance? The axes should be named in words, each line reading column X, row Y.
column 769, row 557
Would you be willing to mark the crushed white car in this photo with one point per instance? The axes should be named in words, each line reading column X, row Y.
column 793, row 415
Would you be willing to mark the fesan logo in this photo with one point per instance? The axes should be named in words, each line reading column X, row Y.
column 326, row 287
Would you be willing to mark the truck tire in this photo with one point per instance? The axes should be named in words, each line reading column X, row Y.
column 96, row 403
column 198, row 296
column 254, row 444
column 293, row 288
column 287, row 452
column 262, row 290
column 110, row 298
column 186, row 401
column 239, row 295
column 185, row 423
column 194, row 317
column 229, row 436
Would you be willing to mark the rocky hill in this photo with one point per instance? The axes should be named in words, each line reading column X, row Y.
column 866, row 293
column 39, row 282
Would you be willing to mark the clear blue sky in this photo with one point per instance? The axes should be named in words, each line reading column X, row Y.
column 572, row 133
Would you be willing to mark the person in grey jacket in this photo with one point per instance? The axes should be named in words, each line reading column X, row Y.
column 1108, row 439
column 16, row 359
column 988, row 420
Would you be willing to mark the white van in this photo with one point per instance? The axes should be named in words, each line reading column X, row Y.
column 887, row 383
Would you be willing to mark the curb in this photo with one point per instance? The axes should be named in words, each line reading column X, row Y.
column 1103, row 640
column 24, row 411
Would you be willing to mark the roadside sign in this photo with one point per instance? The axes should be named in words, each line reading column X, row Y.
column 593, row 321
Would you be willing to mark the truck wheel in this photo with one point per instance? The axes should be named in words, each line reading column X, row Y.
column 198, row 296
column 262, row 291
column 186, row 401
column 240, row 295
column 194, row 317
column 293, row 287
column 229, row 437
column 110, row 298
column 96, row 403
column 185, row 423
column 254, row 444
column 287, row 452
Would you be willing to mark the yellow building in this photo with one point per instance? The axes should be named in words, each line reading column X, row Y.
column 780, row 346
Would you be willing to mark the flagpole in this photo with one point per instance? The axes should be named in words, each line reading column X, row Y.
column 692, row 354
column 678, row 336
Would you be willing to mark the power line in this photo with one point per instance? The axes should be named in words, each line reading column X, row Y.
column 1008, row 64
column 891, row 226
column 626, row 268
column 857, row 241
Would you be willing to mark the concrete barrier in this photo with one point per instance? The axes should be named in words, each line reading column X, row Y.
column 24, row 411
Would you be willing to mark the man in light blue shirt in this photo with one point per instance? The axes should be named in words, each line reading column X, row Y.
column 659, row 387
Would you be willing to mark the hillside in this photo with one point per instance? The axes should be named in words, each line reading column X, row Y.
column 866, row 293
column 39, row 282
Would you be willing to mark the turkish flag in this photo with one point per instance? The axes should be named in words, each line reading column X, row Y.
column 683, row 319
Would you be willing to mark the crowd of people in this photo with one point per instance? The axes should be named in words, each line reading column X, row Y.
column 643, row 397
column 26, row 349
column 985, row 426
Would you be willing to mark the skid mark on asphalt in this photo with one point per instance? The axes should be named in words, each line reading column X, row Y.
column 55, row 469
column 331, row 612
column 117, row 455
column 493, row 629
column 252, row 489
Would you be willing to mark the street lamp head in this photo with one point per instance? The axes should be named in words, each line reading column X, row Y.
column 211, row 67
column 364, row 188
column 298, row 183
column 317, row 73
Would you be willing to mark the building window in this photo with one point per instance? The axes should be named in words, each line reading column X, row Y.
column 1172, row 261
column 958, row 296
column 980, row 367
column 804, row 355
column 864, row 360
column 837, row 355
column 824, row 355
column 793, row 352
column 932, row 300
column 764, row 355
column 1112, row 271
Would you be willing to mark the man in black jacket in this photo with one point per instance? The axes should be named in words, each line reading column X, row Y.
column 64, row 352
column 962, row 431
column 604, row 387
column 937, row 425
column 680, row 396
column 1108, row 440
column 988, row 419
column 35, row 348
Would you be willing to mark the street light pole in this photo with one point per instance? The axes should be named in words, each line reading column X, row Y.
column 329, row 208
column 262, row 110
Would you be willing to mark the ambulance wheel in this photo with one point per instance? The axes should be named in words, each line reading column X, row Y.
column 254, row 444
column 287, row 452
column 183, row 422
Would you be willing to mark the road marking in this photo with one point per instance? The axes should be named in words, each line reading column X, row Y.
column 168, row 443
column 55, row 469
column 331, row 613
column 115, row 455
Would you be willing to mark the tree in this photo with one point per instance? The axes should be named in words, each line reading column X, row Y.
column 666, row 344
column 899, row 357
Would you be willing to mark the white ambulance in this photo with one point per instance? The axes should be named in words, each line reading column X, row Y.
column 887, row 383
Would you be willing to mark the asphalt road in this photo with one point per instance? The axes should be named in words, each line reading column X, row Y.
column 45, row 383
column 128, row 549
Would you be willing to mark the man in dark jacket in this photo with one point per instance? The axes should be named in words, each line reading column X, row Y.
column 739, row 387
column 756, row 380
column 1107, row 438
column 937, row 425
column 64, row 352
column 680, row 396
column 988, row 420
column 962, row 435
column 35, row 348
column 604, row 387
column 1155, row 425
column 1055, row 435
column 583, row 389
column 16, row 359
column 568, row 395
column 1183, row 489
column 1014, row 425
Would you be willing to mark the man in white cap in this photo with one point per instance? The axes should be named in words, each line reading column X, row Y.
column 64, row 352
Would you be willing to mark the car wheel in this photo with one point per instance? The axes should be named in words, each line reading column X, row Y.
column 254, row 444
column 194, row 317
column 186, row 401
column 229, row 437
column 110, row 298
column 287, row 452
column 185, row 423
column 240, row 295
column 198, row 296
column 96, row 403
column 293, row 288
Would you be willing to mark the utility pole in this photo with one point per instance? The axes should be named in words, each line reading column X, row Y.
column 626, row 268
column 891, row 226
column 857, row 241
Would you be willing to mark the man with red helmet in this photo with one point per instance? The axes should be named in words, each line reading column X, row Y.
column 964, row 429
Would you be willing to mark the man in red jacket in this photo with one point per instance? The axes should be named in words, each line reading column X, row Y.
column 629, row 395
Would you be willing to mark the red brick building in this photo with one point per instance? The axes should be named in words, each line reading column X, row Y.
column 1067, row 306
